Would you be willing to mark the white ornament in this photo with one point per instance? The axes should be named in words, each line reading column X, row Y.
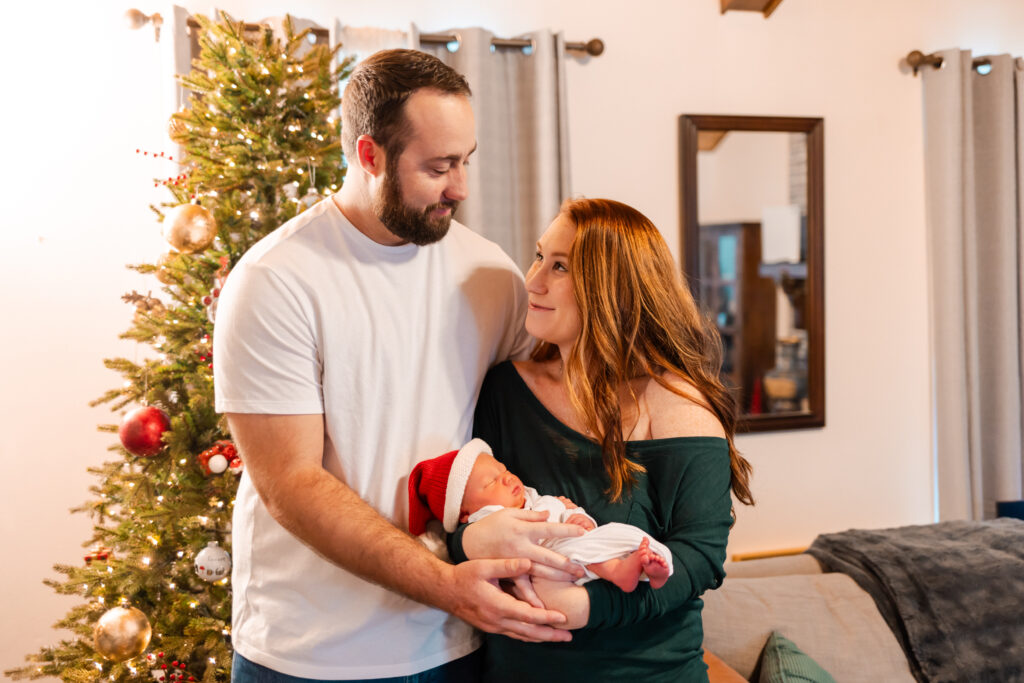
column 311, row 197
column 213, row 562
column 158, row 674
column 211, row 310
column 217, row 463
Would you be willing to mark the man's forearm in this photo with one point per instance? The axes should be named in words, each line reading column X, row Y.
column 331, row 518
column 328, row 515
column 283, row 455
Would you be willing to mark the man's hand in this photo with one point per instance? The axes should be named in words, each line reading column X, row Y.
column 512, row 533
column 479, row 600
column 581, row 520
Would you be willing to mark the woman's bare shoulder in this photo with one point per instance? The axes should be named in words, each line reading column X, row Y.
column 673, row 415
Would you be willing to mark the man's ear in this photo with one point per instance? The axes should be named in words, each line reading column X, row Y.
column 463, row 517
column 370, row 155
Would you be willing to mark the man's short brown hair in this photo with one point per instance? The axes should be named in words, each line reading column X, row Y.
column 374, row 100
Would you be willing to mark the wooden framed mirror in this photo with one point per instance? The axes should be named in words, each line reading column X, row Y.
column 752, row 207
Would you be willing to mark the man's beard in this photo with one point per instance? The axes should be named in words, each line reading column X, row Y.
column 412, row 225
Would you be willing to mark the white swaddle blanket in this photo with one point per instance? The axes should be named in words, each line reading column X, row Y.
column 604, row 542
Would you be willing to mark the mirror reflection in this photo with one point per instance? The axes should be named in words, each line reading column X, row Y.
column 746, row 251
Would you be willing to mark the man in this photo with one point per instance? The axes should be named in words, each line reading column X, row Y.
column 350, row 344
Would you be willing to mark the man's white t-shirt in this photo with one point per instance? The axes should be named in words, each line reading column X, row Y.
column 391, row 344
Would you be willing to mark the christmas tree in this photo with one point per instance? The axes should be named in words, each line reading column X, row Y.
column 262, row 143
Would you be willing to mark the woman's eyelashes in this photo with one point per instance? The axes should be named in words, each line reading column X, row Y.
column 559, row 265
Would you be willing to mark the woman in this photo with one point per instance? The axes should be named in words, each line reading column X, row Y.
column 622, row 410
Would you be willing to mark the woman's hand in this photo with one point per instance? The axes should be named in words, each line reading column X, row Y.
column 522, row 588
column 512, row 533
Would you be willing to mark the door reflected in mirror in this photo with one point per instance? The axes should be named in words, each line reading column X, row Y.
column 752, row 234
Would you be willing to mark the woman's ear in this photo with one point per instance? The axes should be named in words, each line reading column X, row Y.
column 463, row 517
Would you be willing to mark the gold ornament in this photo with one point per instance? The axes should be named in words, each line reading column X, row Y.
column 146, row 306
column 162, row 273
column 189, row 228
column 122, row 633
column 178, row 130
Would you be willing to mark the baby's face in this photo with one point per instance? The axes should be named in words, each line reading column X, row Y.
column 490, row 483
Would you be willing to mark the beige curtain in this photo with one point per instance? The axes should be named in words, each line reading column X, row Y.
column 362, row 41
column 974, row 181
column 520, row 173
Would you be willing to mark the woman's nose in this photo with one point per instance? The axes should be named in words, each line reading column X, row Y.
column 534, row 279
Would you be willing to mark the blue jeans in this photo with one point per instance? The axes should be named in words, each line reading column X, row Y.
column 468, row 669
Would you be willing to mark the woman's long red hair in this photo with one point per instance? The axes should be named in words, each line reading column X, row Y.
column 638, row 319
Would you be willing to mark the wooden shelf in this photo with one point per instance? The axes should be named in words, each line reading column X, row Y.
column 766, row 7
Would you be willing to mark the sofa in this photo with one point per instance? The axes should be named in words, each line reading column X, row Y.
column 827, row 615
column 937, row 602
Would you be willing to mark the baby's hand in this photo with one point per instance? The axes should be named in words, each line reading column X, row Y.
column 581, row 520
column 567, row 503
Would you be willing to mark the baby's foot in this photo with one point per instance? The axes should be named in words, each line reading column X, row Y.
column 654, row 565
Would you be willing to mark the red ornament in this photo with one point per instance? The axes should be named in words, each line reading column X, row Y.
column 100, row 552
column 142, row 430
column 228, row 453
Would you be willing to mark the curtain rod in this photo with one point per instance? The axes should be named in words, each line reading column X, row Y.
column 593, row 47
column 918, row 60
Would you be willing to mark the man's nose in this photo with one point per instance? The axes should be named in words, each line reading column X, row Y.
column 458, row 187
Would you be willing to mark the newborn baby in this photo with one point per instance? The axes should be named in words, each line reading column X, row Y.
column 469, row 484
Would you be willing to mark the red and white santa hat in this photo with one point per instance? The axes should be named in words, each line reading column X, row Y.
column 436, row 487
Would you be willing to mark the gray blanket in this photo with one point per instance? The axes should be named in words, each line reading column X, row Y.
column 952, row 593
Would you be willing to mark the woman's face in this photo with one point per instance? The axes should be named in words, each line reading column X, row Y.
column 553, row 315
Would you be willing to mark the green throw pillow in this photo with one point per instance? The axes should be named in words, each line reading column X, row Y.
column 783, row 662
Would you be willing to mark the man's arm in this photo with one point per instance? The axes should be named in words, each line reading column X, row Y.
column 283, row 456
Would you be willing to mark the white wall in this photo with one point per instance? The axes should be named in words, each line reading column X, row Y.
column 743, row 174
column 81, row 93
